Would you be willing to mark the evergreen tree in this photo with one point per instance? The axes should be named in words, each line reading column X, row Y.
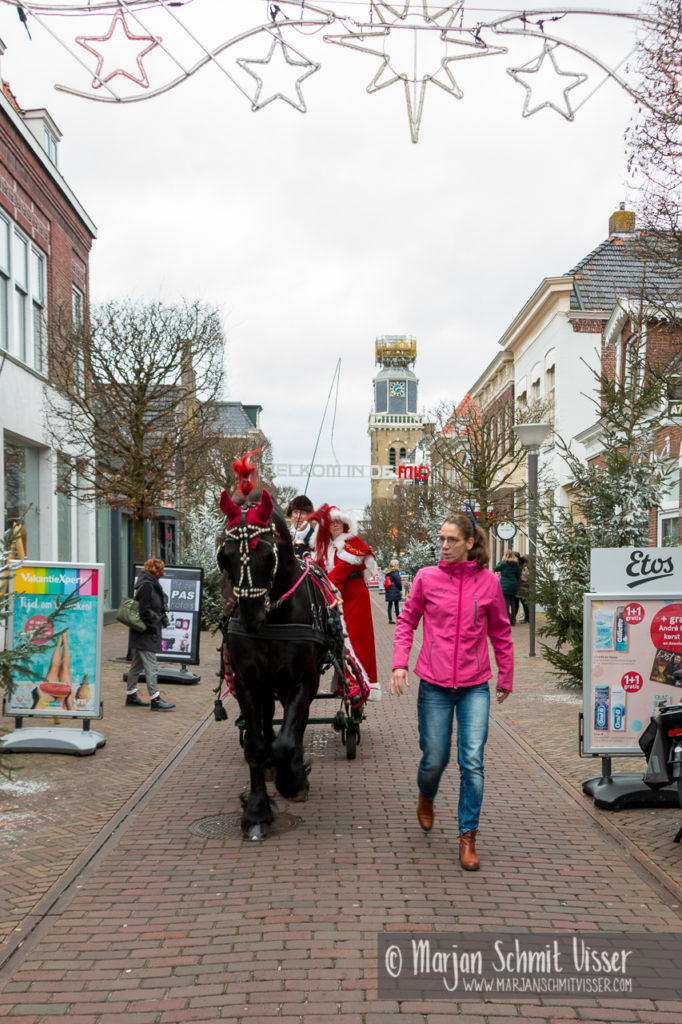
column 611, row 501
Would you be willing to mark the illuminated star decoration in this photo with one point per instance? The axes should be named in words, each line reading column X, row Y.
column 532, row 68
column 282, row 62
column 118, row 25
column 415, row 17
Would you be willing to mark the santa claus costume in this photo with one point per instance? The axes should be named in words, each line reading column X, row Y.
column 349, row 563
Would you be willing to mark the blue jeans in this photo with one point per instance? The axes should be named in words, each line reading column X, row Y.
column 436, row 706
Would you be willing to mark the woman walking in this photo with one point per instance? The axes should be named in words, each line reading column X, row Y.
column 462, row 606
column 145, row 646
column 509, row 572
column 393, row 590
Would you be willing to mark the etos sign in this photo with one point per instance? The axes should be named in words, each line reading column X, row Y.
column 644, row 570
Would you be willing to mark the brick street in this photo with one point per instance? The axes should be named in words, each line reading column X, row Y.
column 111, row 908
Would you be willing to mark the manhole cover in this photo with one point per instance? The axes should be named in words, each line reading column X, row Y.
column 228, row 826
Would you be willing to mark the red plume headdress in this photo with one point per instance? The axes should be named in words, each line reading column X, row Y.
column 246, row 471
column 322, row 516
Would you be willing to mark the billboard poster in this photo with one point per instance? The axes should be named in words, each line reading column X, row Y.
column 632, row 654
column 182, row 585
column 65, row 672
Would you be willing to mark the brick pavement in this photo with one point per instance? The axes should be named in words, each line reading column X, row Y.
column 166, row 926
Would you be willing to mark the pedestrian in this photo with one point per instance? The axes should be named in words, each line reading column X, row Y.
column 523, row 591
column 145, row 646
column 298, row 510
column 394, row 589
column 349, row 563
column 462, row 607
column 509, row 572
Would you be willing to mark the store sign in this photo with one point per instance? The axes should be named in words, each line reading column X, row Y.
column 63, row 678
column 638, row 570
column 337, row 471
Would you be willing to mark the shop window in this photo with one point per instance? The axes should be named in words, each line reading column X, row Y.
column 22, row 492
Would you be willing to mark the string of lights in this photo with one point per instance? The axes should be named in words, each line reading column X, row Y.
column 418, row 44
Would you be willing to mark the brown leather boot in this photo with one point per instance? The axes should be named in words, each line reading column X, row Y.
column 425, row 813
column 468, row 857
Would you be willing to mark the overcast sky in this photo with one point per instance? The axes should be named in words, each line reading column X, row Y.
column 314, row 233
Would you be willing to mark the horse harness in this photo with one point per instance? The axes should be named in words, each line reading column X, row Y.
column 246, row 533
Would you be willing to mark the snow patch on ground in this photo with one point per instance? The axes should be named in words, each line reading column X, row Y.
column 22, row 787
column 562, row 698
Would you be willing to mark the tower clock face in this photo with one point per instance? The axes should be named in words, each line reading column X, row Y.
column 397, row 388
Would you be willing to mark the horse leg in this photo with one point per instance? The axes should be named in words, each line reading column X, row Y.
column 291, row 779
column 257, row 815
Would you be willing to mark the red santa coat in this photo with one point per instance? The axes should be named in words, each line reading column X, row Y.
column 347, row 560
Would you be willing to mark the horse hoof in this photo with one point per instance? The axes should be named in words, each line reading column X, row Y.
column 256, row 832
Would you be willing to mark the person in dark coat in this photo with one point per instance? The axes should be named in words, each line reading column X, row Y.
column 394, row 590
column 298, row 511
column 509, row 572
column 145, row 646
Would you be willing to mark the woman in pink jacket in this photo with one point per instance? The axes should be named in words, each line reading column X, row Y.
column 462, row 605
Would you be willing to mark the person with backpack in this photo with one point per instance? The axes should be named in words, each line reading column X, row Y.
column 393, row 588
column 509, row 572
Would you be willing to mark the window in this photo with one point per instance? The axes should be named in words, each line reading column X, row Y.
column 522, row 407
column 535, row 391
column 77, row 309
column 38, row 308
column 63, row 509
column 23, row 291
column 20, row 294
column 550, row 385
column 4, row 281
column 403, row 453
column 50, row 144
column 669, row 530
column 391, row 458
column 22, row 493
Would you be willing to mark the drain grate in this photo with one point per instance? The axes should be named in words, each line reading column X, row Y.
column 228, row 826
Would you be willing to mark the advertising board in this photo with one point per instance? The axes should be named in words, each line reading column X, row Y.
column 182, row 585
column 63, row 677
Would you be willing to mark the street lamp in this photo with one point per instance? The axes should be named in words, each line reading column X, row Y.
column 531, row 436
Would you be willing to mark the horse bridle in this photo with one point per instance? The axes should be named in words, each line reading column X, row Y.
column 244, row 533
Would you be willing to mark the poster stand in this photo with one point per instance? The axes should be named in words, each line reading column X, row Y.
column 624, row 790
column 51, row 739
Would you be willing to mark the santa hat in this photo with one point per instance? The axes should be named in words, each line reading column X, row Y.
column 340, row 516
column 301, row 503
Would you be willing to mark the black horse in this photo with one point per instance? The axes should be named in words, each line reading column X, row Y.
column 277, row 642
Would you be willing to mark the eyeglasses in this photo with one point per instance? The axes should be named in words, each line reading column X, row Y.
column 447, row 541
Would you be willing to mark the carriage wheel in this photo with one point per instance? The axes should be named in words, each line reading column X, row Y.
column 351, row 743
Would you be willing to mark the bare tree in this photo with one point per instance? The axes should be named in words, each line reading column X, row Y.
column 477, row 458
column 133, row 408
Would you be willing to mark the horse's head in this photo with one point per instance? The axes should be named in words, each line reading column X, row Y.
column 249, row 555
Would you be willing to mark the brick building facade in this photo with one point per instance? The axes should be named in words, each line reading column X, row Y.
column 45, row 242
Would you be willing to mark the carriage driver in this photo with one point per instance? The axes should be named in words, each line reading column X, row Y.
column 298, row 511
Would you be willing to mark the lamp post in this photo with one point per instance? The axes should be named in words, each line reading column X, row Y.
column 531, row 436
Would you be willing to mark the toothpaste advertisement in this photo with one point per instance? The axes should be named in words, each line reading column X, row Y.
column 62, row 678
column 633, row 663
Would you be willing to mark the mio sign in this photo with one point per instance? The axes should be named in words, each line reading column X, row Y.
column 636, row 570
column 338, row 471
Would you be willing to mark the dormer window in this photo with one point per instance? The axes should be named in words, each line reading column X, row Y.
column 50, row 144
column 43, row 128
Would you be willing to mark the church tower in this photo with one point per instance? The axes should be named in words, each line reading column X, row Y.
column 394, row 424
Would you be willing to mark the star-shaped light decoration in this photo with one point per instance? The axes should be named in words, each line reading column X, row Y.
column 422, row 23
column 534, row 67
column 117, row 27
column 280, row 60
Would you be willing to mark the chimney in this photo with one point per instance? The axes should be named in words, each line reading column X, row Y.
column 622, row 222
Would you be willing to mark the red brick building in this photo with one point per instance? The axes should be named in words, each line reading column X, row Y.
column 45, row 242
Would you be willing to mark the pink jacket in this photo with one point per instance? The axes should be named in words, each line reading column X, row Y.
column 462, row 606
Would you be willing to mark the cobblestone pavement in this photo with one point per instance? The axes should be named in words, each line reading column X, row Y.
column 113, row 908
